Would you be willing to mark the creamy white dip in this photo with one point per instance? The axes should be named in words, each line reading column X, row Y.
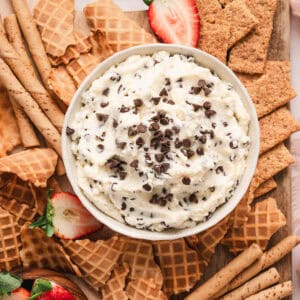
column 160, row 141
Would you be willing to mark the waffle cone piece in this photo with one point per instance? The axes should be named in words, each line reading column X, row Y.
column 138, row 254
column 9, row 131
column 34, row 165
column 115, row 286
column 55, row 20
column 10, row 241
column 40, row 251
column 180, row 265
column 264, row 220
column 144, row 289
column 205, row 243
column 96, row 260
column 121, row 32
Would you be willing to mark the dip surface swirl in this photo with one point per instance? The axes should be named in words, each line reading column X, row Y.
column 160, row 142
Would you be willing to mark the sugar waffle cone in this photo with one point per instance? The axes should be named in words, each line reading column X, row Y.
column 144, row 289
column 34, row 165
column 180, row 265
column 10, row 241
column 55, row 20
column 138, row 254
column 83, row 45
column 96, row 260
column 121, row 32
column 40, row 251
column 264, row 220
column 9, row 131
column 205, row 243
column 115, row 286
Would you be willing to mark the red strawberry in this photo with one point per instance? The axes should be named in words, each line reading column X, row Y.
column 56, row 293
column 175, row 21
column 66, row 217
column 17, row 294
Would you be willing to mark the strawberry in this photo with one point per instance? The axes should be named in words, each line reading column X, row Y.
column 66, row 217
column 17, row 294
column 175, row 21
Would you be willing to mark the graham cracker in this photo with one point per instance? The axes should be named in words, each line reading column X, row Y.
column 276, row 79
column 9, row 131
column 275, row 128
column 249, row 55
column 265, row 188
column 215, row 29
column 242, row 21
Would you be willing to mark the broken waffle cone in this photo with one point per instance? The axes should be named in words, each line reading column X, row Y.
column 62, row 84
column 138, row 254
column 33, row 165
column 10, row 241
column 96, row 260
column 121, row 32
column 55, row 20
column 144, row 289
column 100, row 46
column 180, row 265
column 115, row 286
column 9, row 131
column 83, row 45
column 264, row 220
column 205, row 243
column 40, row 251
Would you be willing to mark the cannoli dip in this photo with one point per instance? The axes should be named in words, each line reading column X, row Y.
column 159, row 141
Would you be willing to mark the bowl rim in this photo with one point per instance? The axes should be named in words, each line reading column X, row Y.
column 223, row 210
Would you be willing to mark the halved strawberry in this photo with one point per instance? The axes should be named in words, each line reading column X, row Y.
column 18, row 294
column 66, row 217
column 175, row 21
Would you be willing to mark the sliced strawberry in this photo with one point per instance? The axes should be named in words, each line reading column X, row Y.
column 66, row 217
column 18, row 294
column 175, row 21
column 56, row 293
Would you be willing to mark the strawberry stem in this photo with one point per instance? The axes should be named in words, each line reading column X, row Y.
column 148, row 2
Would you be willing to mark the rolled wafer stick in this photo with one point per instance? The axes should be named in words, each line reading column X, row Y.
column 277, row 292
column 30, row 81
column 31, row 108
column 254, row 286
column 33, row 38
column 269, row 258
column 218, row 281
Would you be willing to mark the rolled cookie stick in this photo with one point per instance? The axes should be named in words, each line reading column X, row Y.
column 255, row 285
column 269, row 258
column 33, row 38
column 276, row 292
column 218, row 281
column 31, row 108
column 31, row 82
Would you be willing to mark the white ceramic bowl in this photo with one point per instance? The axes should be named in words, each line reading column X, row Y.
column 224, row 73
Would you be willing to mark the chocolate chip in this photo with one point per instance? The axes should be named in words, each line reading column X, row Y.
column 134, row 164
column 176, row 129
column 186, row 180
column 124, row 109
column 123, row 207
column 186, row 143
column 165, row 167
column 121, row 145
column 210, row 85
column 212, row 188
column 100, row 147
column 132, row 131
column 69, row 131
column 202, row 83
column 161, row 114
column 154, row 127
column 193, row 198
column 157, row 169
column 188, row 152
column 138, row 102
column 105, row 92
column 202, row 139
column 159, row 157
column 200, row 151
column 219, row 170
column 167, row 81
column 116, row 77
column 102, row 117
column 119, row 88
column 155, row 100
column 179, row 80
column 164, row 121
column 214, row 125
column 104, row 104
column 147, row 187
column 122, row 175
column 141, row 128
column 115, row 123
column 171, row 102
column 163, row 92
column 207, row 91
column 233, row 145
column 207, row 105
column 225, row 124
column 178, row 143
column 195, row 90
column 168, row 133
column 154, row 143
column 140, row 142
column 209, row 113
column 196, row 107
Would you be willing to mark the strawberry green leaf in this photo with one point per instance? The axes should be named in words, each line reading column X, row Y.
column 9, row 283
column 148, row 2
column 46, row 221
column 40, row 287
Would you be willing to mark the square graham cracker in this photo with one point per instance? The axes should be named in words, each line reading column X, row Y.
column 265, row 187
